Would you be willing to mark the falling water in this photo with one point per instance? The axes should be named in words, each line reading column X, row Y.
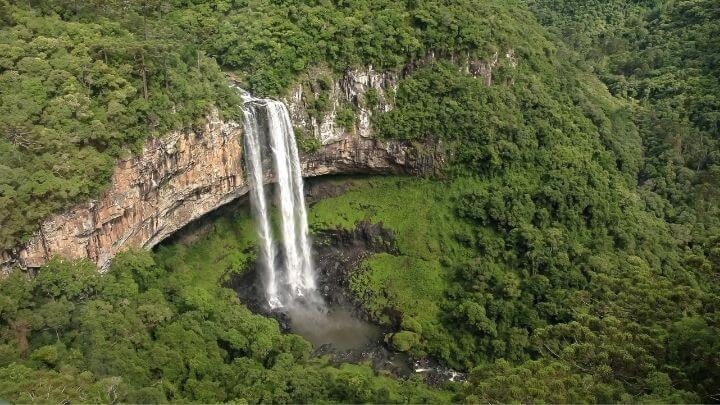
column 259, row 204
column 288, row 271
column 292, row 201
column 295, row 278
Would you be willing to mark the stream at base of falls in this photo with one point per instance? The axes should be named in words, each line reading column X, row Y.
column 335, row 328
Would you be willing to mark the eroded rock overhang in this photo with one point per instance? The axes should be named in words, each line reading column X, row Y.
column 184, row 175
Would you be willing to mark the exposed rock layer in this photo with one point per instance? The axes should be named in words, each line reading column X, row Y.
column 186, row 174
column 175, row 179
column 350, row 90
column 182, row 176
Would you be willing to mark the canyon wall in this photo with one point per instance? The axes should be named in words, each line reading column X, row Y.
column 186, row 174
column 175, row 179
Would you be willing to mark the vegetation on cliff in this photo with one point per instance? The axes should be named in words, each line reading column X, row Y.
column 74, row 96
column 84, row 82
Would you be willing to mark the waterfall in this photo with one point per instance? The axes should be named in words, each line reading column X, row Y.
column 293, row 277
column 259, row 205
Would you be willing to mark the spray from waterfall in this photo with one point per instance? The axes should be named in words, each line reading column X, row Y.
column 289, row 276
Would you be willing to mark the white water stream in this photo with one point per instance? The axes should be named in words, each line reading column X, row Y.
column 290, row 276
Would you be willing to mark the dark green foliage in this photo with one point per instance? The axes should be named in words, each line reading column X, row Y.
column 305, row 142
column 345, row 118
column 74, row 96
column 371, row 98
column 664, row 55
column 563, row 261
column 571, row 253
column 151, row 330
column 318, row 104
column 557, row 300
column 270, row 43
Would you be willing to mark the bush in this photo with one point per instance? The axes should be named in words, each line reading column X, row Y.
column 345, row 118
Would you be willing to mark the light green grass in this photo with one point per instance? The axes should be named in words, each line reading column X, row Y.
column 420, row 215
column 418, row 211
column 410, row 284
column 227, row 248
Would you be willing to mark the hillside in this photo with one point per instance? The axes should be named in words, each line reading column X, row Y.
column 568, row 249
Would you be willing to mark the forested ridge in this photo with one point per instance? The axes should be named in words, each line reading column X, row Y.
column 569, row 252
column 77, row 94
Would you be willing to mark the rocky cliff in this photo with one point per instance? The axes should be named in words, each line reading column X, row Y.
column 367, row 91
column 175, row 179
column 349, row 91
column 186, row 174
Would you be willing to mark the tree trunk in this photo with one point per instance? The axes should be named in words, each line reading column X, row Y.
column 144, row 75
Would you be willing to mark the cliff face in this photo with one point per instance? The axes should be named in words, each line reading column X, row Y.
column 174, row 180
column 350, row 90
column 356, row 150
column 184, row 175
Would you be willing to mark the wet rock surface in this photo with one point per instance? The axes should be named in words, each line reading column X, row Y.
column 339, row 253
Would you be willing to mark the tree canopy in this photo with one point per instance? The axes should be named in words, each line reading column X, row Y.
column 568, row 252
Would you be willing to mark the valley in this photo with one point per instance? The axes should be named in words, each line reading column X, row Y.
column 352, row 201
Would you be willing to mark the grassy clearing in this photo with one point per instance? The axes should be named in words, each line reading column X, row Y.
column 227, row 248
column 420, row 214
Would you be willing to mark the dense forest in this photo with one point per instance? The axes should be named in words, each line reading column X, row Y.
column 568, row 252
